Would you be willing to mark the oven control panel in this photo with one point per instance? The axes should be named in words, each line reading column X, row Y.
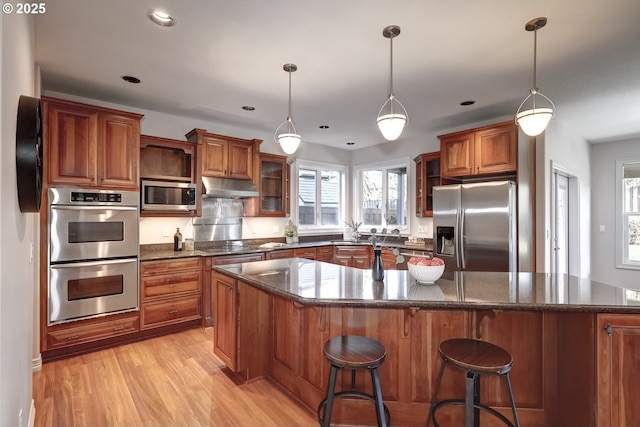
column 80, row 196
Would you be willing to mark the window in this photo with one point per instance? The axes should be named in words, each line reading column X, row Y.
column 382, row 196
column 320, row 196
column 628, row 173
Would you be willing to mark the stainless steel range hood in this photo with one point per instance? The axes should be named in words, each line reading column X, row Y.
column 228, row 188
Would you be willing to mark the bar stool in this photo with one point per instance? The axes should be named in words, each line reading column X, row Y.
column 356, row 353
column 476, row 358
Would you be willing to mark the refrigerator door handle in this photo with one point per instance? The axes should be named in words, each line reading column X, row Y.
column 461, row 240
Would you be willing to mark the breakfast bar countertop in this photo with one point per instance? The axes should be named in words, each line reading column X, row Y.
column 320, row 283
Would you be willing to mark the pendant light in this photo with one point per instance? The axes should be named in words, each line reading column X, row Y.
column 391, row 119
column 534, row 120
column 288, row 139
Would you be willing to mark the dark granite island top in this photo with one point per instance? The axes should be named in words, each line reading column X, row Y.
column 319, row 283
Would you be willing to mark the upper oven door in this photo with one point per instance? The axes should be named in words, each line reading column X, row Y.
column 93, row 232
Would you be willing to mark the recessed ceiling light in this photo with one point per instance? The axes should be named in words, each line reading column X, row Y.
column 351, row 143
column 248, row 108
column 467, row 103
column 131, row 79
column 323, row 127
column 161, row 18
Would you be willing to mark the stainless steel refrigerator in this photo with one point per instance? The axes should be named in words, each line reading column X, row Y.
column 474, row 226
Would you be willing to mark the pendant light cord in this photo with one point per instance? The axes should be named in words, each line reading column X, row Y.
column 289, row 115
column 391, row 96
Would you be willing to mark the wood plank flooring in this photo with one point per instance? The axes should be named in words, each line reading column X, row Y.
column 174, row 380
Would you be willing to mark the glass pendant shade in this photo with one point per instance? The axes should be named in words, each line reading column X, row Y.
column 391, row 125
column 533, row 122
column 289, row 142
column 534, row 119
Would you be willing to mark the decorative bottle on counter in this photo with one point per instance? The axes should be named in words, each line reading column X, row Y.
column 377, row 270
column 177, row 240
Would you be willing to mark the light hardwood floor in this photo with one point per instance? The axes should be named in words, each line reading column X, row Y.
column 174, row 380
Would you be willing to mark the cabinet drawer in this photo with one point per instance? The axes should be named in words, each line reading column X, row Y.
column 72, row 335
column 324, row 253
column 308, row 253
column 164, row 266
column 352, row 250
column 236, row 259
column 284, row 253
column 167, row 312
column 170, row 284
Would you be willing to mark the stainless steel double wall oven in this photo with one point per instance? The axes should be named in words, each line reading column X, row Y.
column 93, row 253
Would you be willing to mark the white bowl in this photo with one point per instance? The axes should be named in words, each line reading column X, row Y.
column 426, row 273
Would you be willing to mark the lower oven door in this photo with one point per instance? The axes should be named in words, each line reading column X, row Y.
column 85, row 289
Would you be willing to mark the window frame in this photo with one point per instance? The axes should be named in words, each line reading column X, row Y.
column 622, row 236
column 295, row 209
column 357, row 191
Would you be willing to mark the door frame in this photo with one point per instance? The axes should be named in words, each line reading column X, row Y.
column 573, row 219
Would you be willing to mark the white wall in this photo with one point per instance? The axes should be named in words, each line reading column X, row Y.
column 560, row 146
column 18, row 276
column 603, row 253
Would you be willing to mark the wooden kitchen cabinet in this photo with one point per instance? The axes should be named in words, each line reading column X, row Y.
column 324, row 253
column 279, row 254
column 91, row 146
column 308, row 253
column 92, row 330
column 618, row 370
column 242, row 323
column 224, row 156
column 427, row 177
column 482, row 151
column 352, row 256
column 274, row 189
column 165, row 159
column 170, row 291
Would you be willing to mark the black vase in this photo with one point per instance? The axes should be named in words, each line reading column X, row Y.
column 377, row 270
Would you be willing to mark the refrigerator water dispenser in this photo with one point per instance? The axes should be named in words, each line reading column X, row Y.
column 445, row 241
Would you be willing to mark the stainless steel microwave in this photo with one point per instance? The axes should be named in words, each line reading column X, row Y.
column 168, row 196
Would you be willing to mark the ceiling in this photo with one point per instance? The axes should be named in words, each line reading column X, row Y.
column 224, row 54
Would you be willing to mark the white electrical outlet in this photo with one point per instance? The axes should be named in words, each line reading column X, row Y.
column 420, row 229
column 165, row 232
column 30, row 252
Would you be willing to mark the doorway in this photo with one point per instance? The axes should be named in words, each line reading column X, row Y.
column 565, row 222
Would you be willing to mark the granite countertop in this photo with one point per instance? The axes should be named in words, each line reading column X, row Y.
column 320, row 283
column 165, row 251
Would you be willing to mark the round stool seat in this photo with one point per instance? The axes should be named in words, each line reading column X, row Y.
column 355, row 352
column 475, row 355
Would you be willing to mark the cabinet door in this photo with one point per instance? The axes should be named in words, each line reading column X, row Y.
column 308, row 253
column 286, row 334
column 215, row 157
column 496, row 149
column 225, row 320
column 360, row 261
column 241, row 158
column 618, row 370
column 273, row 181
column 457, row 154
column 427, row 176
column 71, row 140
column 118, row 151
column 342, row 260
column 324, row 253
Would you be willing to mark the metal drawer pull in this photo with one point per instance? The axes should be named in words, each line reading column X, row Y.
column 118, row 328
column 173, row 311
column 73, row 338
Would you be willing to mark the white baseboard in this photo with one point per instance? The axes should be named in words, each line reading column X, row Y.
column 36, row 364
column 32, row 414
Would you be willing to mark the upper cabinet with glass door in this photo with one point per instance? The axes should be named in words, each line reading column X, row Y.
column 273, row 183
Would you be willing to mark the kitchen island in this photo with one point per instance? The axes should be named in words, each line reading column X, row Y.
column 273, row 317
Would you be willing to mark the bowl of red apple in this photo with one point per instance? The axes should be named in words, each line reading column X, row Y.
column 425, row 270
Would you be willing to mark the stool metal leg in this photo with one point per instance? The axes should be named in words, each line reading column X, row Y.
column 469, row 400
column 377, row 394
column 434, row 398
column 331, row 388
column 513, row 402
